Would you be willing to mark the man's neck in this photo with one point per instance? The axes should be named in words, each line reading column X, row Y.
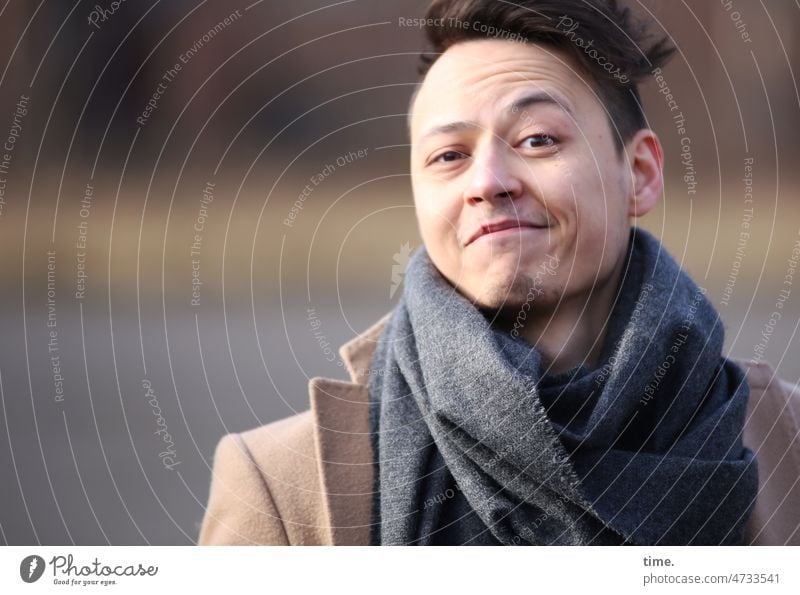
column 575, row 332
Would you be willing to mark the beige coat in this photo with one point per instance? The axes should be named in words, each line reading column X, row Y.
column 307, row 479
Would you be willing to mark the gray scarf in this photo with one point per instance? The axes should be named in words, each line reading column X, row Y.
column 475, row 445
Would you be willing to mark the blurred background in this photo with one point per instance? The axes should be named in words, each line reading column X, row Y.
column 200, row 201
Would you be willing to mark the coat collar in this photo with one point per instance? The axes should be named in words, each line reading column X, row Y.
column 342, row 438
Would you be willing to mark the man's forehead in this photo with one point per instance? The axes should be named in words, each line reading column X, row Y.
column 491, row 75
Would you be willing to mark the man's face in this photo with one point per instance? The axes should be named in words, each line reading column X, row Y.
column 515, row 204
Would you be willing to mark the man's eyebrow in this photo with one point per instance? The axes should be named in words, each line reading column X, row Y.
column 450, row 127
column 517, row 106
column 540, row 98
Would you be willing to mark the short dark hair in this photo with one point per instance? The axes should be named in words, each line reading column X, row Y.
column 595, row 33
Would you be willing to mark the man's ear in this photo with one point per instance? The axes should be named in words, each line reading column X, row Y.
column 646, row 161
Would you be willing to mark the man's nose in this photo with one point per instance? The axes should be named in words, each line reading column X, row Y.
column 492, row 176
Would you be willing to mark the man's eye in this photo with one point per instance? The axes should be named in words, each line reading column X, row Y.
column 449, row 156
column 540, row 140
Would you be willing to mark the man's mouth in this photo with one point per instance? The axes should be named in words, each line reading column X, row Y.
column 502, row 227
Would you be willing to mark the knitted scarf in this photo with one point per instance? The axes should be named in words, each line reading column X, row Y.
column 475, row 444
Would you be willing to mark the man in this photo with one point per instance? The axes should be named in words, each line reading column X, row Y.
column 550, row 375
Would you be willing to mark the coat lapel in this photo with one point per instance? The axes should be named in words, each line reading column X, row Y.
column 342, row 438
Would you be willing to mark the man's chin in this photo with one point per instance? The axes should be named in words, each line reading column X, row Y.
column 507, row 296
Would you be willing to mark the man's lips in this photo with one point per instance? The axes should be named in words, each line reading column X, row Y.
column 501, row 225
